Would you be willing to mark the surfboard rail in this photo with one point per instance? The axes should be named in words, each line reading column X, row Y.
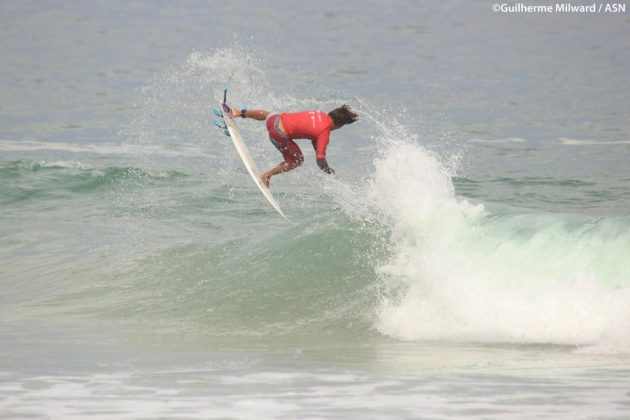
column 248, row 160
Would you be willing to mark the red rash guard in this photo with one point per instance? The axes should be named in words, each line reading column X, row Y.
column 312, row 125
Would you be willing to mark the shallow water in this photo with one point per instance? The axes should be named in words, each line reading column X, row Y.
column 469, row 259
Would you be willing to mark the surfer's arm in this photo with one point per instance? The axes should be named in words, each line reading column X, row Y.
column 254, row 114
column 320, row 144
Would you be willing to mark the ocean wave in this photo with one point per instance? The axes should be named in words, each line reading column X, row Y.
column 458, row 272
column 28, row 179
column 584, row 142
column 507, row 140
column 104, row 148
column 397, row 252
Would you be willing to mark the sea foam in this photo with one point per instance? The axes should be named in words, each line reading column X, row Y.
column 461, row 272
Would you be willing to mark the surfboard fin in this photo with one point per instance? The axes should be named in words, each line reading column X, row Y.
column 227, row 133
column 217, row 112
column 220, row 124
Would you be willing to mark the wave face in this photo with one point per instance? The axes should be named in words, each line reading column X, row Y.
column 174, row 234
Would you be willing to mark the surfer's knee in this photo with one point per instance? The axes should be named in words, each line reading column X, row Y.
column 295, row 161
column 292, row 165
column 299, row 160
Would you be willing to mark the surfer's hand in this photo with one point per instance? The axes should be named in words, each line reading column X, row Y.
column 323, row 165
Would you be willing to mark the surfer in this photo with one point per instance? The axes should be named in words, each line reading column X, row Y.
column 284, row 128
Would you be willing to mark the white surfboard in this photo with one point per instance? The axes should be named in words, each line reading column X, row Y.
column 247, row 158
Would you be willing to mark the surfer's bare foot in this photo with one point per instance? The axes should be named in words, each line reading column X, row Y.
column 265, row 179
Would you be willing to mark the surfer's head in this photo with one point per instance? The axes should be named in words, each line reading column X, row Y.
column 342, row 116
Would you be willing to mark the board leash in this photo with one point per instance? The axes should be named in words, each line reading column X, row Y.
column 225, row 108
column 251, row 83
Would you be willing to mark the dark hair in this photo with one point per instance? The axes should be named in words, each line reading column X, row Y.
column 342, row 116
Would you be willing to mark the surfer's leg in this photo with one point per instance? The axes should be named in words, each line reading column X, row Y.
column 292, row 154
column 293, row 158
column 283, row 167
